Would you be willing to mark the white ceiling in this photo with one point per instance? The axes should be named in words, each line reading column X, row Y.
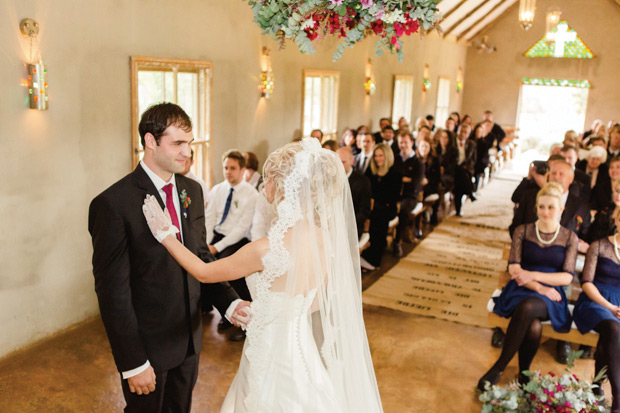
column 466, row 18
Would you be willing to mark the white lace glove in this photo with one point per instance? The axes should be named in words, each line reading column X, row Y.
column 159, row 221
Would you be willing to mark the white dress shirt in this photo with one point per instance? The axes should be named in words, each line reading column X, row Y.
column 263, row 216
column 254, row 179
column 239, row 219
column 203, row 185
column 461, row 149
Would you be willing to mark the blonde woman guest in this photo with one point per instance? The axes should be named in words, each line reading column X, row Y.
column 542, row 260
column 598, row 306
column 385, row 186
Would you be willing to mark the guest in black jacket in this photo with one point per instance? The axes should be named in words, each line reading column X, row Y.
column 595, row 167
column 482, row 152
column 360, row 189
column 602, row 193
column 570, row 155
column 385, row 184
column 465, row 168
column 432, row 173
column 603, row 224
column 447, row 156
column 411, row 168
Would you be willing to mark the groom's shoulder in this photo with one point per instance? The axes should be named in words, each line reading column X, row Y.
column 115, row 192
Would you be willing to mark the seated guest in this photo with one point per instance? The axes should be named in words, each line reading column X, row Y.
column 569, row 153
column 430, row 121
column 362, row 159
column 349, row 139
column 576, row 212
column 464, row 171
column 388, row 135
column 593, row 129
column 188, row 172
column 614, row 141
column 595, row 165
column 250, row 173
column 555, row 149
column 317, row 134
column 423, row 133
column 383, row 123
column 457, row 118
column 482, row 153
column 432, row 173
column 450, row 125
column 229, row 216
column 330, row 144
column 385, row 186
column 402, row 123
column 359, row 134
column 542, row 260
column 419, row 122
column 598, row 306
column 360, row 189
column 447, row 156
column 602, row 193
column 411, row 168
column 536, row 178
column 495, row 134
column 466, row 120
column 571, row 139
column 603, row 224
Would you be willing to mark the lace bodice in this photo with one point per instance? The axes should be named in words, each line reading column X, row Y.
column 527, row 250
column 602, row 264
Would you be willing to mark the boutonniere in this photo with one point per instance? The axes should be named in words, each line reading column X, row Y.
column 186, row 201
column 236, row 204
column 579, row 221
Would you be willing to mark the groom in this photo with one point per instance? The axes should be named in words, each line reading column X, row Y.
column 148, row 303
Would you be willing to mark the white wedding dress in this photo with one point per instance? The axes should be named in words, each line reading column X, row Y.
column 306, row 349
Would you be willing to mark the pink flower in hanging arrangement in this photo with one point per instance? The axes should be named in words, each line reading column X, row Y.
column 377, row 27
column 367, row 3
column 336, row 2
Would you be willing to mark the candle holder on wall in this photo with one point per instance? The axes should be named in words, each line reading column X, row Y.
column 37, row 70
column 266, row 79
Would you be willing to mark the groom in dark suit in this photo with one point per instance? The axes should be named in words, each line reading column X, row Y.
column 148, row 303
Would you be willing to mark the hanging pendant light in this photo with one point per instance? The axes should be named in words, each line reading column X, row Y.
column 526, row 13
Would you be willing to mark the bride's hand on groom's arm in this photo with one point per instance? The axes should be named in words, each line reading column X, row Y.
column 143, row 383
column 242, row 314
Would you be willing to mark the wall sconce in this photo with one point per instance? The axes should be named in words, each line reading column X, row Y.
column 369, row 85
column 37, row 72
column 426, row 84
column 527, row 8
column 459, row 80
column 266, row 79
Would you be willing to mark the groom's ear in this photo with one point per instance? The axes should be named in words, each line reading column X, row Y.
column 149, row 141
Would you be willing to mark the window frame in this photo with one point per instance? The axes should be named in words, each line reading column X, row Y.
column 396, row 117
column 327, row 134
column 447, row 107
column 203, row 135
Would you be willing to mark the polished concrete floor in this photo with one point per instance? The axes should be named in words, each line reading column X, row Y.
column 422, row 365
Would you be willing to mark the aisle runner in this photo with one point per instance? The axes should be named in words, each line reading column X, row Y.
column 454, row 270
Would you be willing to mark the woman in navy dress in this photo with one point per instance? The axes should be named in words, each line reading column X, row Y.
column 542, row 260
column 598, row 306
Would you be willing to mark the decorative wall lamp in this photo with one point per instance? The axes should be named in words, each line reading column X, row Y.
column 527, row 8
column 37, row 71
column 369, row 85
column 266, row 78
column 426, row 84
column 459, row 80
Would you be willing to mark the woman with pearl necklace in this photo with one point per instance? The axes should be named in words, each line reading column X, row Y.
column 598, row 306
column 542, row 260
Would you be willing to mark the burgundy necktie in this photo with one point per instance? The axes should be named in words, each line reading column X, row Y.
column 171, row 209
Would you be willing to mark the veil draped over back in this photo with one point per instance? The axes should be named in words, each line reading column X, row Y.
column 307, row 307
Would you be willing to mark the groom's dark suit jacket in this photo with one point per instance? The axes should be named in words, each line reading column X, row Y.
column 148, row 303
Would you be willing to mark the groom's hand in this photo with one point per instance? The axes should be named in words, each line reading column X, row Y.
column 242, row 314
column 143, row 383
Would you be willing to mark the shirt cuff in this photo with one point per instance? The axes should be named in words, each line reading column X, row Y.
column 136, row 371
column 231, row 309
column 220, row 246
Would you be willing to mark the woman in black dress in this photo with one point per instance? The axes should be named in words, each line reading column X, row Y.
column 542, row 260
column 482, row 149
column 598, row 306
column 448, row 156
column 432, row 174
column 603, row 224
column 385, row 185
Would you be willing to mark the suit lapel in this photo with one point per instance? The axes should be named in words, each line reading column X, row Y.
column 569, row 212
column 188, row 240
column 143, row 181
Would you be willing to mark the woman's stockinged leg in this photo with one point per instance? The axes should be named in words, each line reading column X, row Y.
column 528, row 310
column 609, row 345
column 530, row 345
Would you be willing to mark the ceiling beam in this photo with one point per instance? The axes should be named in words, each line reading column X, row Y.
column 496, row 13
column 476, row 17
column 455, row 8
column 475, row 9
column 458, row 14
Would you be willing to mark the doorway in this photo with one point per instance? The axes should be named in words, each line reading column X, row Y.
column 547, row 109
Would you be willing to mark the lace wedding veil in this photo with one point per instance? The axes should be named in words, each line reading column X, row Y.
column 311, row 276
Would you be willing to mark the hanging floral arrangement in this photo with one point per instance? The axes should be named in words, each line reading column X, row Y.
column 305, row 21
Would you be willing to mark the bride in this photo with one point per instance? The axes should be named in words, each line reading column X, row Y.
column 306, row 348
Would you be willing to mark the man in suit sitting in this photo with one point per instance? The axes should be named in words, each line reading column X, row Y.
column 383, row 123
column 150, row 306
column 228, row 221
column 362, row 159
column 570, row 155
column 360, row 189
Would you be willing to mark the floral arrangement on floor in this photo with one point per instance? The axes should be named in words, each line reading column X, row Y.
column 309, row 20
column 546, row 393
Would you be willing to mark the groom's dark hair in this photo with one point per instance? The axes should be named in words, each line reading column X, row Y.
column 156, row 119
